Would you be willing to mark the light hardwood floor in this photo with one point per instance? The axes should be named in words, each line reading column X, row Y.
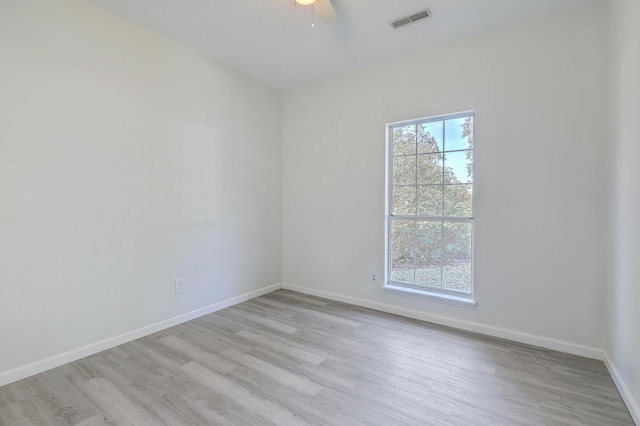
column 289, row 359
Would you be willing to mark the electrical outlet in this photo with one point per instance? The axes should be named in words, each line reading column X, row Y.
column 374, row 279
column 180, row 285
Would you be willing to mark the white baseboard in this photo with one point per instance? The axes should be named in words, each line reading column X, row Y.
column 93, row 348
column 625, row 392
column 529, row 339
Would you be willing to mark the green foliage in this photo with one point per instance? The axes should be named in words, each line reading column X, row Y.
column 467, row 132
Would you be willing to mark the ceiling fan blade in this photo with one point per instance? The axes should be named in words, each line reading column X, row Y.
column 325, row 11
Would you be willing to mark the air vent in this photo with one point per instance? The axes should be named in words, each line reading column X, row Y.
column 411, row 19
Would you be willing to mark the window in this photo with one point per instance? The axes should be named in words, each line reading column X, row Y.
column 430, row 206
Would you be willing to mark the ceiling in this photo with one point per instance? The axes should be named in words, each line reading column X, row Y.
column 274, row 42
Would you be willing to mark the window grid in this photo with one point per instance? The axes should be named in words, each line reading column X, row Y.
column 442, row 219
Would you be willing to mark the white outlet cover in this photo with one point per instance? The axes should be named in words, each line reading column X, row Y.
column 180, row 286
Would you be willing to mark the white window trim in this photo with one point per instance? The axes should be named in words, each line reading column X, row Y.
column 452, row 298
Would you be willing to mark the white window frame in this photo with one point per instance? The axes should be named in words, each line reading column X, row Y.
column 413, row 290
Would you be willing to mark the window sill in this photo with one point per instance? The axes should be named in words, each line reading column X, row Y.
column 465, row 302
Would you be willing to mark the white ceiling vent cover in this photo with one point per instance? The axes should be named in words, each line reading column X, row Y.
column 411, row 19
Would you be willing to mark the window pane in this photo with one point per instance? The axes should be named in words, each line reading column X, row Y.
column 458, row 167
column 404, row 170
column 456, row 244
column 428, row 270
column 430, row 200
column 404, row 140
column 429, row 237
column 458, row 200
column 458, row 134
column 456, row 238
column 456, row 275
column 467, row 131
column 403, row 234
column 402, row 264
column 404, row 200
column 430, row 137
column 430, row 168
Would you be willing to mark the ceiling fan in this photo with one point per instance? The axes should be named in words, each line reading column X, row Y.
column 323, row 8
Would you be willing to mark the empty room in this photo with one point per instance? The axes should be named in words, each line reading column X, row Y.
column 329, row 212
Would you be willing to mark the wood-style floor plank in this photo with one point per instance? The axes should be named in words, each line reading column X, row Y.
column 121, row 408
column 241, row 395
column 291, row 359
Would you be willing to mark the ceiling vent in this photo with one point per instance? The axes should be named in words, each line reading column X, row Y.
column 411, row 19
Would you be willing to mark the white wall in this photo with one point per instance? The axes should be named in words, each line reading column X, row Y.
column 623, row 347
column 126, row 161
column 541, row 176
